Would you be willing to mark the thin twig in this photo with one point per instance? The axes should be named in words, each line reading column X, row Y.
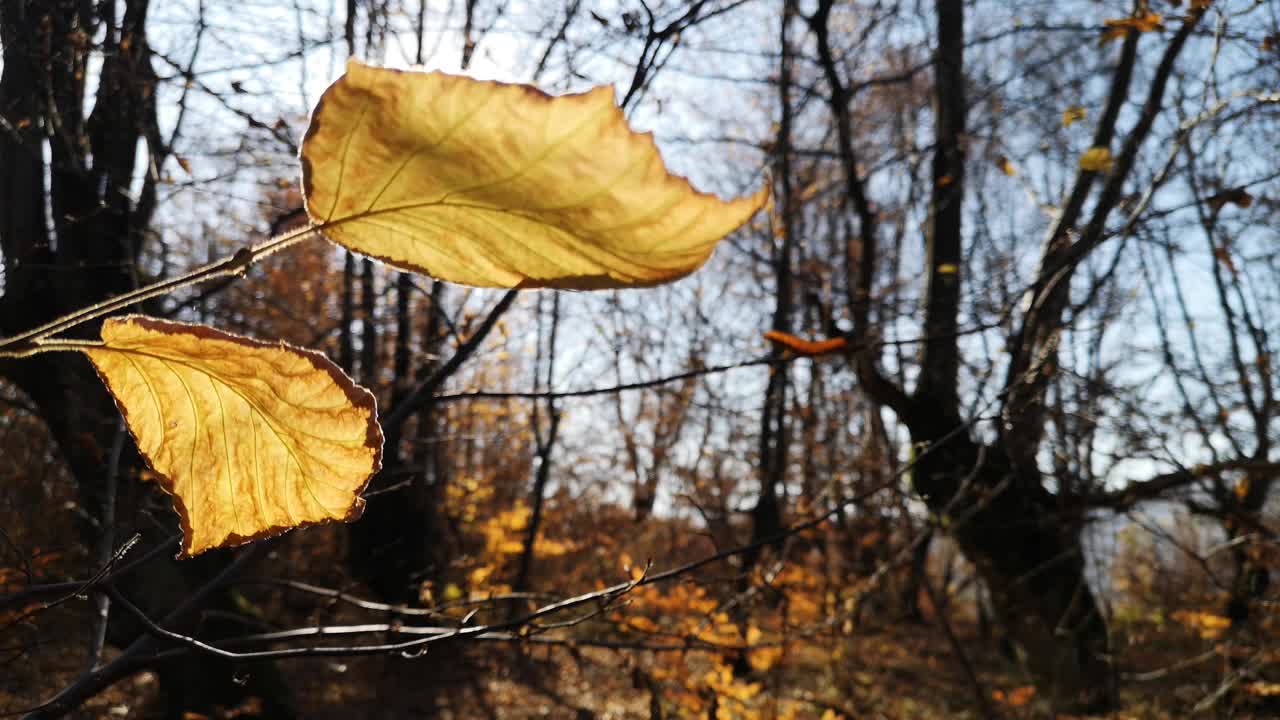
column 106, row 550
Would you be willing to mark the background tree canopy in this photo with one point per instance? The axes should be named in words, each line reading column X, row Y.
column 1007, row 449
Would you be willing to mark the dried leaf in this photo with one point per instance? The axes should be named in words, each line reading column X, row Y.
column 1223, row 255
column 1016, row 697
column 800, row 346
column 1096, row 159
column 498, row 185
column 1235, row 196
column 1005, row 166
column 251, row 438
column 1073, row 114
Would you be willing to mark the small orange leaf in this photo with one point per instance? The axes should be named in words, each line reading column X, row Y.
column 808, row 348
column 1005, row 166
column 1141, row 21
column 1072, row 115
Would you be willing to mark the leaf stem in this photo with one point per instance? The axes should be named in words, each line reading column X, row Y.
column 40, row 339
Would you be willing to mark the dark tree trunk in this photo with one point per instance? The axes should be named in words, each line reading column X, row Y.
column 1030, row 556
column 544, row 446
column 991, row 500
column 398, row 545
column 88, row 254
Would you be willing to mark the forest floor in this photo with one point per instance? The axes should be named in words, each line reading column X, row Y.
column 899, row 671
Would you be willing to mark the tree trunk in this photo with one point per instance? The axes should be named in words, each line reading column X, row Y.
column 88, row 254
column 1030, row 556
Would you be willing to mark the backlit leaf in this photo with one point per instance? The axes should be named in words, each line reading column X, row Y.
column 251, row 438
column 501, row 185
column 1072, row 115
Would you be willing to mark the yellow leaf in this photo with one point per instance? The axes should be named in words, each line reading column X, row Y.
column 762, row 659
column 498, row 185
column 1073, row 114
column 510, row 547
column 948, row 269
column 642, row 623
column 800, row 346
column 251, row 438
column 1096, row 159
column 1208, row 625
column 1261, row 688
column 480, row 575
column 1005, row 166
